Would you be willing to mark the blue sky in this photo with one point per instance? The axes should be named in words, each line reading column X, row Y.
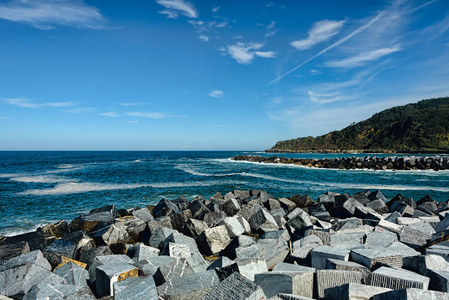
column 210, row 75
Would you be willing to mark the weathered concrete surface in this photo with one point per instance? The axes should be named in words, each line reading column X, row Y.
column 412, row 294
column 135, row 288
column 235, row 287
column 106, row 275
column 298, row 283
column 189, row 283
column 398, row 279
column 353, row 291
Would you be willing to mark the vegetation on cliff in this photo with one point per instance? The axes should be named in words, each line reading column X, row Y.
column 418, row 127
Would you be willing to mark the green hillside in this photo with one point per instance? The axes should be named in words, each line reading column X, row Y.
column 418, row 127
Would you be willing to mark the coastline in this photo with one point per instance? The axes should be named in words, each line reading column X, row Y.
column 205, row 247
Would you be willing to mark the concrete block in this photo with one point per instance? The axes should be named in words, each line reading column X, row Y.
column 347, row 209
column 287, row 204
column 57, row 249
column 262, row 218
column 107, row 260
column 186, row 284
column 411, row 294
column 173, row 269
column 107, row 274
column 439, row 280
column 179, row 251
column 369, row 257
column 347, row 240
column 111, row 234
column 135, row 288
column 322, row 253
column 283, row 296
column 287, row 267
column 140, row 252
column 194, row 228
column 250, row 267
column 353, row 291
column 17, row 280
column 164, row 207
column 88, row 256
column 235, row 286
column 73, row 274
column 35, row 257
column 143, row 214
column 12, row 250
column 179, row 219
column 58, row 291
column 276, row 234
column 35, row 239
column 230, row 207
column 331, row 278
column 336, row 264
column 298, row 283
column 380, row 239
column 213, row 240
column 233, row 226
column 160, row 235
column 273, row 250
column 150, row 266
column 378, row 205
column 397, row 279
column 220, row 262
column 392, row 227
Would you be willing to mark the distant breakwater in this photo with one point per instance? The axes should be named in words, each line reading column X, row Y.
column 351, row 163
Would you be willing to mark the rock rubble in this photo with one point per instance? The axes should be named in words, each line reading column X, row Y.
column 349, row 163
column 244, row 245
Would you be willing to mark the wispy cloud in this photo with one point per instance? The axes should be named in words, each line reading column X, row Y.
column 271, row 30
column 151, row 115
column 132, row 121
column 204, row 37
column 80, row 110
column 23, row 102
column 362, row 58
column 244, row 53
column 43, row 14
column 176, row 7
column 130, row 103
column 110, row 114
column 320, row 32
column 215, row 9
column 216, row 94
column 339, row 42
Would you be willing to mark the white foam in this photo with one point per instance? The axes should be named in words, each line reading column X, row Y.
column 41, row 179
column 79, row 187
column 352, row 185
column 85, row 187
column 194, row 172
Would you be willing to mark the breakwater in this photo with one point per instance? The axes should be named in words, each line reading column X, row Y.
column 368, row 162
column 240, row 245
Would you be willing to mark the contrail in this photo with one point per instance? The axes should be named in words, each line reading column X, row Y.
column 355, row 32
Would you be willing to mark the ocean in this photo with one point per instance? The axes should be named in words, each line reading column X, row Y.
column 37, row 188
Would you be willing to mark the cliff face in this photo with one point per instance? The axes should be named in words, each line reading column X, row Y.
column 418, row 127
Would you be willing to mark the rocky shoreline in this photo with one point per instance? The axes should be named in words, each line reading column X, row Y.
column 436, row 162
column 241, row 245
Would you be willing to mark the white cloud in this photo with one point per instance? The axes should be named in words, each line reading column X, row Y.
column 204, row 38
column 175, row 7
column 215, row 9
column 23, row 102
column 43, row 14
column 80, row 110
column 130, row 103
column 362, row 58
column 271, row 31
column 320, row 32
column 216, row 94
column 337, row 43
column 244, row 53
column 110, row 114
column 151, row 115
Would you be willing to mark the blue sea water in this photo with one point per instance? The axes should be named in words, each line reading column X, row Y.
column 37, row 188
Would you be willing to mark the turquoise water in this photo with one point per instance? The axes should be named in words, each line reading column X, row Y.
column 41, row 187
